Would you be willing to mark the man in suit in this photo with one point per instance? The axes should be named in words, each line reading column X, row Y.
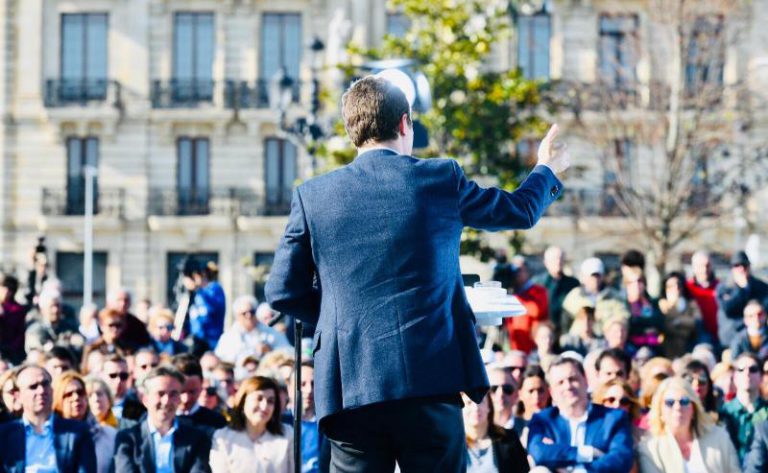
column 41, row 441
column 576, row 433
column 189, row 408
column 162, row 443
column 370, row 256
column 757, row 459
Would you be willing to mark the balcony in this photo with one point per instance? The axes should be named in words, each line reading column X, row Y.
column 585, row 203
column 243, row 94
column 223, row 202
column 181, row 93
column 81, row 92
column 71, row 202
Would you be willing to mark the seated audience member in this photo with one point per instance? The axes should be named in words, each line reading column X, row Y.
column 618, row 394
column 134, row 330
column 753, row 338
column 89, row 323
column 646, row 324
column 161, row 442
column 764, row 381
column 581, row 337
column 682, row 437
column 41, row 441
column 143, row 361
column 732, row 297
column 51, row 327
column 224, row 377
column 680, row 317
column 100, row 402
column 696, row 373
column 10, row 405
column 12, row 320
column 118, row 378
column 255, row 440
column 577, row 434
column 490, row 447
column 616, row 334
column 544, row 340
column 515, row 362
column 58, row 360
column 611, row 364
column 556, row 282
column 757, row 458
column 722, row 378
column 112, row 339
column 208, row 362
column 534, row 299
column 534, row 393
column 247, row 334
column 160, row 330
column 70, row 401
column 504, row 396
column 192, row 387
column 703, row 288
column 315, row 448
column 740, row 415
column 596, row 293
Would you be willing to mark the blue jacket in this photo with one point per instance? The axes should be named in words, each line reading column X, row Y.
column 206, row 316
column 370, row 256
column 72, row 441
column 608, row 430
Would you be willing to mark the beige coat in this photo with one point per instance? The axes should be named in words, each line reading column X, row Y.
column 713, row 452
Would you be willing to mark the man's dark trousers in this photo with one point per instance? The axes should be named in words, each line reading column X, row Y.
column 421, row 434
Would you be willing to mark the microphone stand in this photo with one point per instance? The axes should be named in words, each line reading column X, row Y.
column 297, row 398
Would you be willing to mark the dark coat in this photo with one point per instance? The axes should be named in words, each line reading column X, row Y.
column 72, row 440
column 757, row 458
column 134, row 451
column 370, row 256
column 207, row 420
column 731, row 301
column 509, row 454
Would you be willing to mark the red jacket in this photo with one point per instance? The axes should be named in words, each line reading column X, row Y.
column 536, row 303
column 706, row 299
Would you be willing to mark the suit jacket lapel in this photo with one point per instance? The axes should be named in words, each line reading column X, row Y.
column 181, row 444
column 61, row 441
column 19, row 443
column 147, row 449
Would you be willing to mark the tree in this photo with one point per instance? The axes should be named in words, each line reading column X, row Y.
column 674, row 144
column 478, row 113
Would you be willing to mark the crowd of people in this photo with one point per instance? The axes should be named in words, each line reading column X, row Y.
column 597, row 376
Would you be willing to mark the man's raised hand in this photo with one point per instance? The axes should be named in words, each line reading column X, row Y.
column 553, row 152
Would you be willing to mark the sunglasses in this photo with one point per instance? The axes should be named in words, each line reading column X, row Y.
column 517, row 368
column 123, row 375
column 507, row 389
column 701, row 379
column 115, row 325
column 683, row 401
column 623, row 401
column 34, row 386
column 79, row 392
column 210, row 391
column 148, row 366
column 752, row 369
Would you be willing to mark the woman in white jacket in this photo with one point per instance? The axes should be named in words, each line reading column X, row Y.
column 682, row 437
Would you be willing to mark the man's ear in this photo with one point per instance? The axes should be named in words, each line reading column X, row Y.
column 403, row 127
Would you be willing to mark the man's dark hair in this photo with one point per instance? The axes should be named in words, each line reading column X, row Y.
column 61, row 353
column 188, row 365
column 633, row 258
column 372, row 108
column 567, row 360
column 617, row 354
column 9, row 282
column 160, row 371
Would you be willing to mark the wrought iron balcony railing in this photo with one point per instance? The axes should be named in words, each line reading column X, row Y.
column 69, row 92
column 71, row 201
column 181, row 93
column 228, row 202
column 244, row 94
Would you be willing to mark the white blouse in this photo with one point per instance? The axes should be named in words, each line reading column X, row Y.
column 234, row 452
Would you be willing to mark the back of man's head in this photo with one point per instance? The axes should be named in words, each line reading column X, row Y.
column 372, row 109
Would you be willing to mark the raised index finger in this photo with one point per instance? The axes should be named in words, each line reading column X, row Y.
column 552, row 133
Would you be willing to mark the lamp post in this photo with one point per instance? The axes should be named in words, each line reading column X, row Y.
column 90, row 176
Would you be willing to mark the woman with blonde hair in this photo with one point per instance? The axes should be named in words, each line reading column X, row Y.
column 10, row 404
column 70, row 401
column 682, row 436
column 255, row 441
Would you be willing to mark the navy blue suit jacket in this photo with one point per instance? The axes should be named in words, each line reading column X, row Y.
column 72, row 440
column 370, row 256
column 608, row 430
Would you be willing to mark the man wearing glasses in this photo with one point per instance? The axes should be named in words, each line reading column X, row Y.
column 504, row 396
column 40, row 441
column 733, row 298
column 742, row 413
column 753, row 338
column 248, row 335
column 126, row 403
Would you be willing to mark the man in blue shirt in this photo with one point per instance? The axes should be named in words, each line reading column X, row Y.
column 41, row 442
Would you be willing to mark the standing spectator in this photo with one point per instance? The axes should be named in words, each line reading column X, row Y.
column 703, row 288
column 645, row 322
column 192, row 387
column 41, row 441
column 557, row 284
column 733, row 298
column 581, row 337
column 595, row 293
column 753, row 338
column 100, row 402
column 255, row 440
column 70, row 401
column 576, row 433
column 135, row 332
column 161, row 442
column 161, row 324
column 680, row 317
column 490, row 447
column 534, row 299
column 682, row 436
column 248, row 334
column 504, row 396
column 51, row 327
column 742, row 413
column 12, row 320
column 208, row 307
column 612, row 364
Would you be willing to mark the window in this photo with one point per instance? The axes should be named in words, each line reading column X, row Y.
column 193, row 179
column 618, row 54
column 69, row 270
column 706, row 56
column 281, row 47
column 81, row 152
column 83, row 56
column 262, row 261
column 533, row 32
column 397, row 24
column 280, row 173
column 193, row 49
column 174, row 261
